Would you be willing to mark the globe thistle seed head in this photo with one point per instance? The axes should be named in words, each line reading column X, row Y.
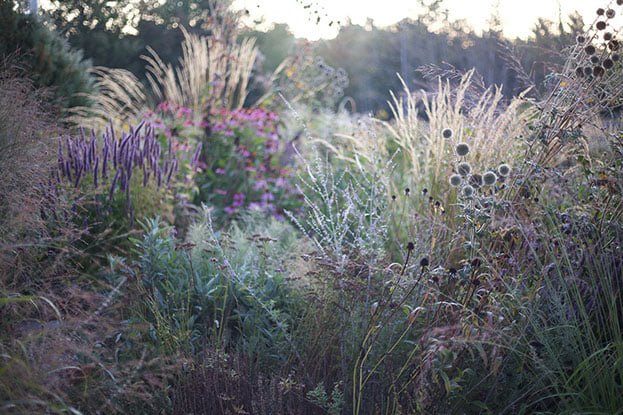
column 462, row 149
column 580, row 39
column 607, row 36
column 447, row 133
column 614, row 45
column 455, row 180
column 489, row 178
column 588, row 71
column 620, row 2
column 600, row 12
column 464, row 168
column 579, row 71
column 608, row 63
column 615, row 57
column 600, row 25
column 476, row 180
column 598, row 71
column 610, row 13
column 590, row 50
column 468, row 191
column 594, row 60
column 504, row 170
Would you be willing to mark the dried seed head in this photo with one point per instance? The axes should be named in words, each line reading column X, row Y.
column 464, row 168
column 407, row 191
column 468, row 191
column 615, row 57
column 594, row 59
column 600, row 12
column 614, row 45
column 504, row 169
column 620, row 2
column 600, row 25
column 446, row 133
column 590, row 50
column 608, row 63
column 598, row 71
column 607, row 36
column 476, row 180
column 462, row 149
column 455, row 180
column 579, row 71
column 588, row 71
column 424, row 262
column 410, row 246
column 610, row 13
column 580, row 39
column 489, row 178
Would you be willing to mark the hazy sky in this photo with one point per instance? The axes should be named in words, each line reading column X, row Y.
column 517, row 16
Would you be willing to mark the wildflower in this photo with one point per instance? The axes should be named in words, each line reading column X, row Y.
column 424, row 262
column 504, row 169
column 489, row 178
column 468, row 191
column 598, row 71
column 424, row 191
column 462, row 149
column 610, row 13
column 407, row 191
column 608, row 63
column 615, row 57
column 447, row 133
column 600, row 12
column 579, row 71
column 607, row 36
column 410, row 246
column 393, row 197
column 580, row 39
column 588, row 71
column 601, row 25
column 594, row 60
column 464, row 168
column 455, row 180
column 590, row 50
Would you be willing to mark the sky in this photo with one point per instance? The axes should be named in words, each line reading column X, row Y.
column 518, row 16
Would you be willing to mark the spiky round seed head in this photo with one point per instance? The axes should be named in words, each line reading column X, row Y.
column 610, row 13
column 620, row 2
column 607, row 36
column 447, row 133
column 462, row 149
column 614, row 45
column 580, row 39
column 608, row 63
column 588, row 71
column 464, row 168
column 455, row 180
column 590, row 49
column 598, row 71
column 600, row 25
column 489, row 178
column 594, row 59
column 468, row 191
column 600, row 12
column 579, row 71
column 615, row 57
column 410, row 246
column 424, row 262
column 504, row 169
column 476, row 180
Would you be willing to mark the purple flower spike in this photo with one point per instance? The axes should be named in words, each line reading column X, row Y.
column 113, row 185
column 95, row 168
